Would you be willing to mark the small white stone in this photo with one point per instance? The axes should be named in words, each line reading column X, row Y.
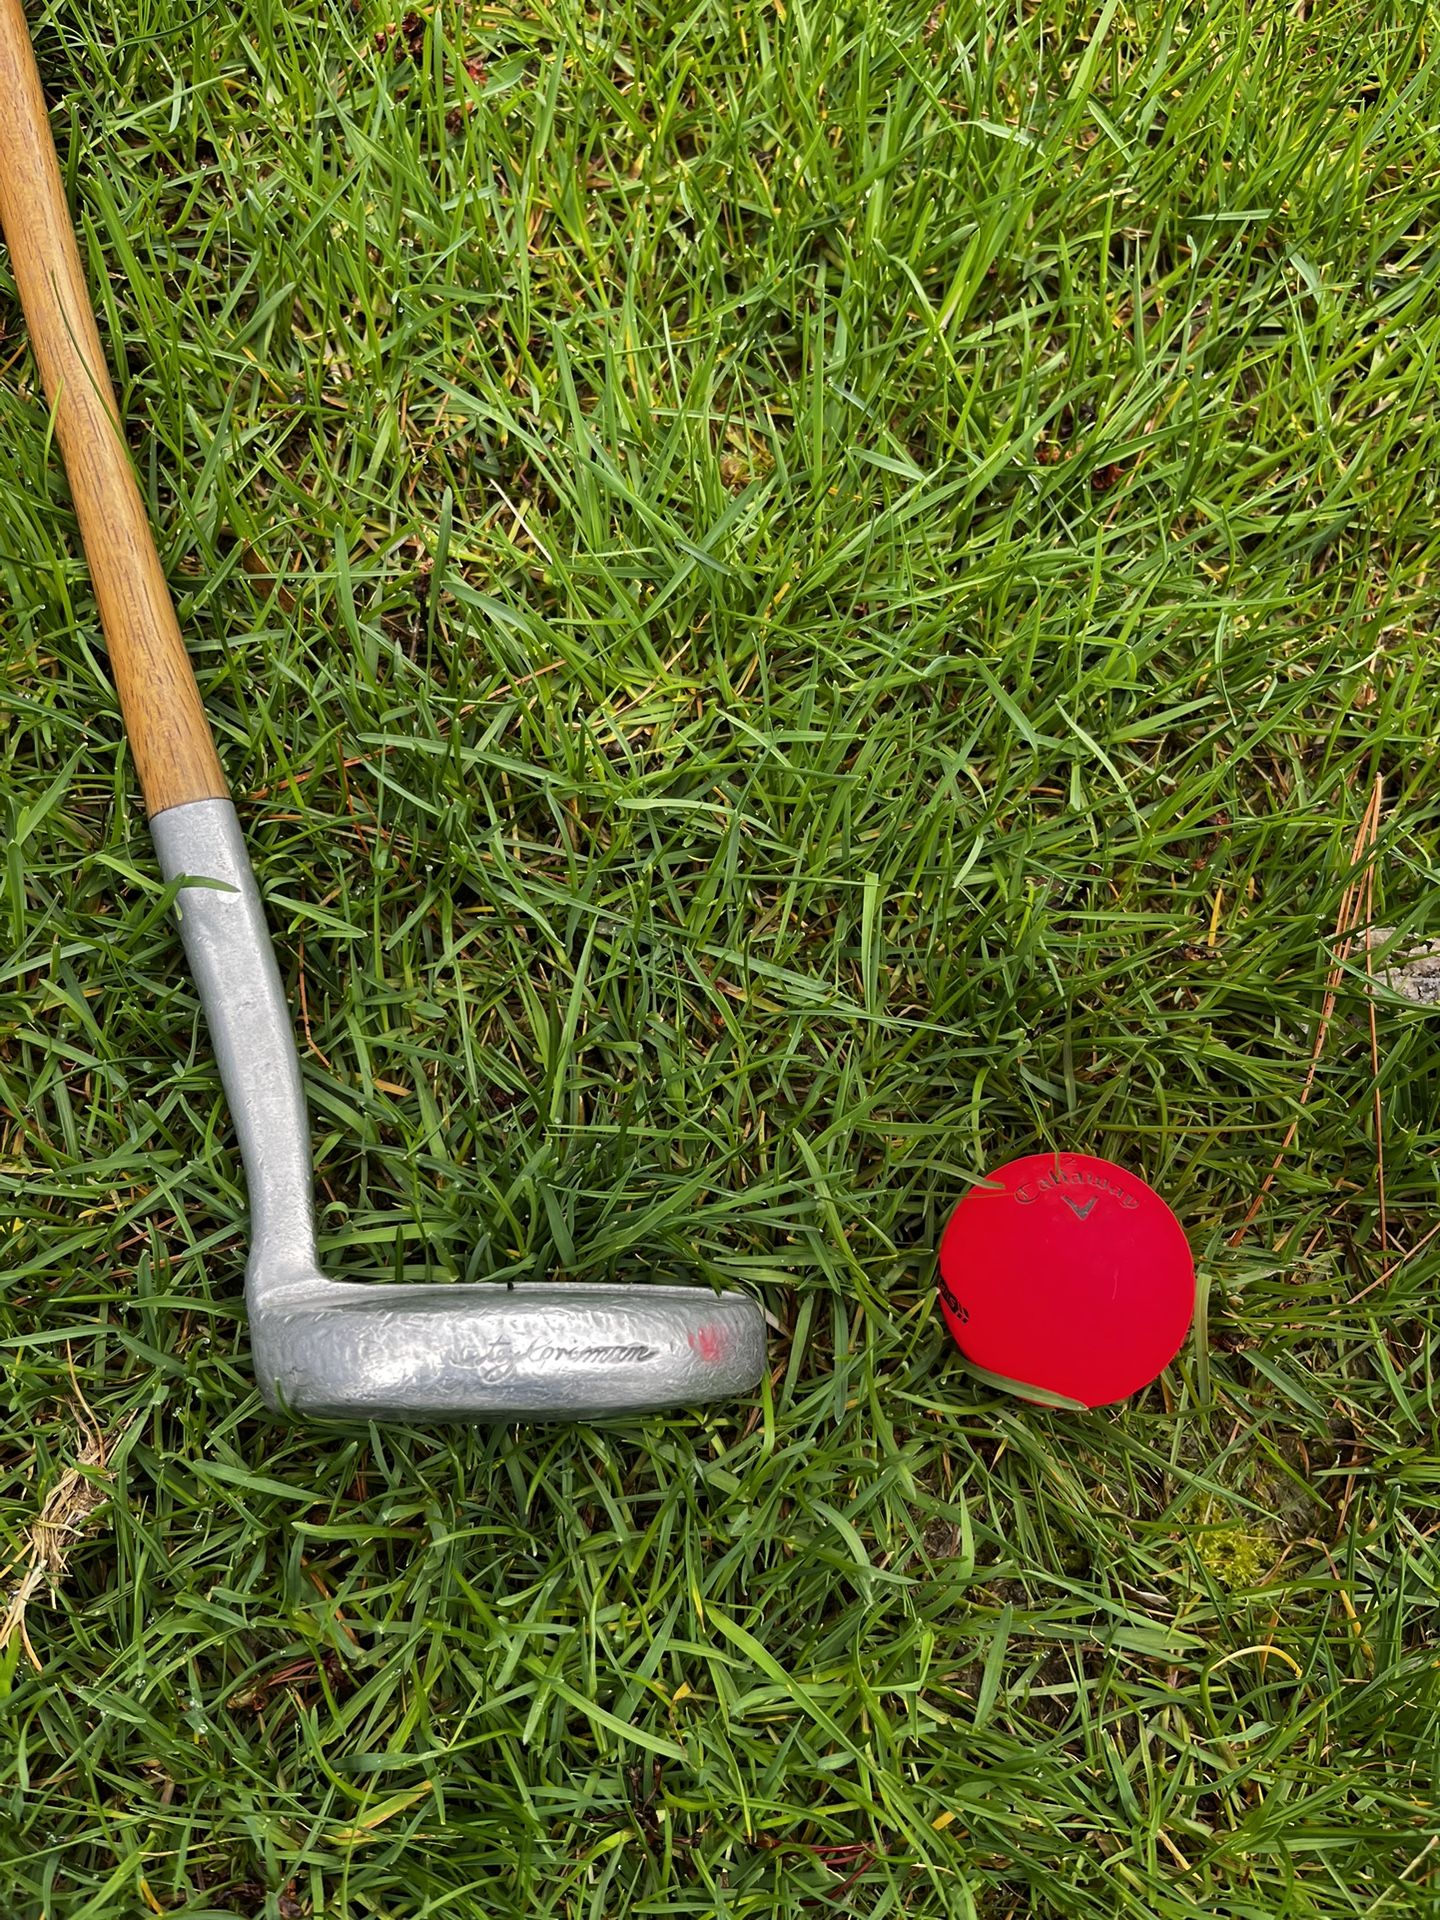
column 1415, row 971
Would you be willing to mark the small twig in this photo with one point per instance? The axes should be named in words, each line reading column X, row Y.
column 350, row 807
column 305, row 1011
column 1395, row 1265
column 309, row 773
column 1368, row 915
column 1352, row 909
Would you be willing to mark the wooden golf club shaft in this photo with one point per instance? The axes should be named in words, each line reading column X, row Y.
column 169, row 734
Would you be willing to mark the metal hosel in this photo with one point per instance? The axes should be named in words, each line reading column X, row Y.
column 222, row 925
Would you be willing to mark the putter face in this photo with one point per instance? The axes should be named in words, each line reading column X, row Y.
column 329, row 1349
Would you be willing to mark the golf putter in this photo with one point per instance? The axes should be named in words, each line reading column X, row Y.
column 324, row 1349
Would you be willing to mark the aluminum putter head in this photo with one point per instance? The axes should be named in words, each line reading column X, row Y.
column 329, row 1349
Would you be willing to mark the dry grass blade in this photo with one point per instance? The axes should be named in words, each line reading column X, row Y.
column 1356, row 908
column 69, row 1508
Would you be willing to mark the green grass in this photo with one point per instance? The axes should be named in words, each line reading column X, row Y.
column 799, row 598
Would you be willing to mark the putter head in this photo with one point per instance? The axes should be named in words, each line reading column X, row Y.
column 335, row 1350
column 543, row 1350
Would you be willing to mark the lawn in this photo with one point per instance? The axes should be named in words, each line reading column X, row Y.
column 798, row 599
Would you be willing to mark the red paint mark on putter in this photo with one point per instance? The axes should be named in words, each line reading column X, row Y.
column 1069, row 1274
column 709, row 1343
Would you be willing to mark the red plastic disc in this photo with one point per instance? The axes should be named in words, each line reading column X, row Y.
column 1067, row 1273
